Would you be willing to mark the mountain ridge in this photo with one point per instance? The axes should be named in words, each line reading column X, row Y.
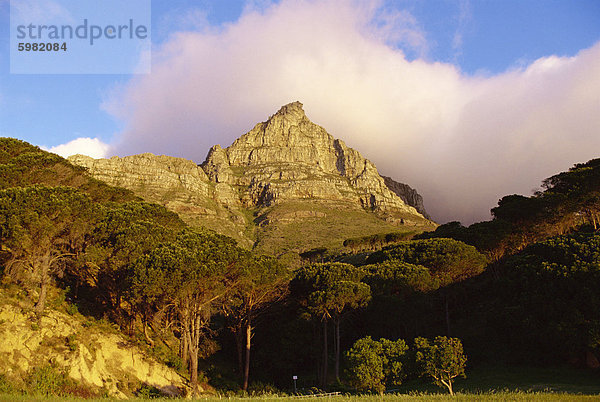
column 285, row 172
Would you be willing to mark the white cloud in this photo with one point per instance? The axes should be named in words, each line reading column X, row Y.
column 86, row 146
column 462, row 141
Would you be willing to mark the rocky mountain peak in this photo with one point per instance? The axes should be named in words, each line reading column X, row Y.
column 287, row 136
column 286, row 169
column 292, row 112
column 290, row 157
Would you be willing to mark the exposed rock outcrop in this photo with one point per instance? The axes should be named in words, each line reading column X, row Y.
column 177, row 183
column 408, row 194
column 284, row 171
column 93, row 357
column 290, row 157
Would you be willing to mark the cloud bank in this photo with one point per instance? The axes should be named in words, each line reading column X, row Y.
column 86, row 146
column 462, row 141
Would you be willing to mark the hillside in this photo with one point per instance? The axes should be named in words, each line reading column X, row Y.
column 569, row 201
column 22, row 164
column 152, row 289
column 78, row 355
column 282, row 188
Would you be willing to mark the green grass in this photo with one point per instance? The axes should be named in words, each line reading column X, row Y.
column 483, row 383
column 341, row 221
column 519, row 379
column 493, row 396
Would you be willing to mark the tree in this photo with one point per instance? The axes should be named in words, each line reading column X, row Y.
column 183, row 280
column 399, row 289
column 448, row 260
column 261, row 281
column 375, row 364
column 548, row 295
column 124, row 233
column 328, row 291
column 40, row 227
column 443, row 359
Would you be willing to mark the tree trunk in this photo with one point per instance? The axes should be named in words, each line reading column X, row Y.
column 337, row 348
column 447, row 316
column 240, row 352
column 194, row 372
column 148, row 339
column 183, row 348
column 325, row 356
column 448, row 383
column 247, row 362
column 318, row 360
column 192, row 342
column 41, row 303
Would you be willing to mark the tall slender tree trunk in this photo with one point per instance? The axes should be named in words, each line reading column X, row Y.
column 194, row 371
column 184, row 348
column 240, row 351
column 247, row 362
column 325, row 356
column 337, row 348
column 146, row 335
column 44, row 279
column 193, row 344
column 318, row 360
column 41, row 303
column 447, row 316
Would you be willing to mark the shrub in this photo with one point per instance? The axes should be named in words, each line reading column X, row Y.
column 375, row 364
column 46, row 380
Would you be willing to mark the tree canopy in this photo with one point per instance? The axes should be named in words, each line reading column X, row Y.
column 442, row 359
column 373, row 365
column 39, row 228
column 448, row 260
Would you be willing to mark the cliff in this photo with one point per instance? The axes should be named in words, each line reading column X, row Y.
column 408, row 194
column 285, row 186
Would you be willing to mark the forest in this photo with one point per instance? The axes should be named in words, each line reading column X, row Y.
column 521, row 288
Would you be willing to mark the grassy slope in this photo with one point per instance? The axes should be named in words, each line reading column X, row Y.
column 22, row 164
column 288, row 235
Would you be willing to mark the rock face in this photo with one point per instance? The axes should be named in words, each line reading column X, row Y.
column 289, row 157
column 179, row 184
column 408, row 194
column 284, row 173
column 96, row 358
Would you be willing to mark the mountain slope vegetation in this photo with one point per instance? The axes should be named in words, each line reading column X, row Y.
column 519, row 289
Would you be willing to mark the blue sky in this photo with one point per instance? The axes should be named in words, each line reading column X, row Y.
column 479, row 43
column 496, row 35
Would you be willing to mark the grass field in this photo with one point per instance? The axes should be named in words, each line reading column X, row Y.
column 495, row 396
column 483, row 384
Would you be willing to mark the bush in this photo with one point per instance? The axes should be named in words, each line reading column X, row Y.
column 71, row 342
column 46, row 380
column 6, row 386
column 441, row 359
column 148, row 392
column 375, row 364
column 71, row 309
column 258, row 388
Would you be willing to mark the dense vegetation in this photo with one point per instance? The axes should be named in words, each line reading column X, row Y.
column 521, row 288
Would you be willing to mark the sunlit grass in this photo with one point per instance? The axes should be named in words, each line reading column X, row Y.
column 488, row 396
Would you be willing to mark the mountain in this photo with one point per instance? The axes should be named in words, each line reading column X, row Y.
column 23, row 164
column 408, row 194
column 284, row 187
